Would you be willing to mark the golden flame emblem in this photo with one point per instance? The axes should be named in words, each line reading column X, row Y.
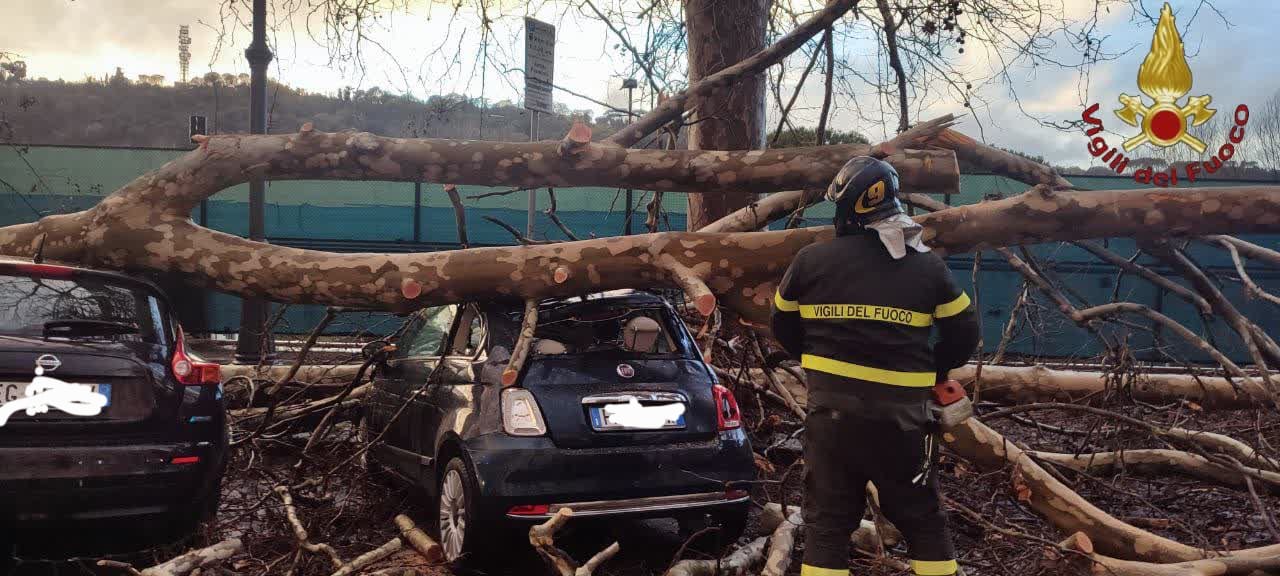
column 1165, row 77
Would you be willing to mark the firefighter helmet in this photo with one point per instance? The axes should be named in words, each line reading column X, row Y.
column 864, row 191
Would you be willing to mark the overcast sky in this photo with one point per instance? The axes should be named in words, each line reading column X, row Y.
column 432, row 50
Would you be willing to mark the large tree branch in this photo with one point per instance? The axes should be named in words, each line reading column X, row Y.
column 896, row 151
column 137, row 228
column 1018, row 384
column 1045, row 215
column 223, row 161
column 1000, row 162
column 1156, row 462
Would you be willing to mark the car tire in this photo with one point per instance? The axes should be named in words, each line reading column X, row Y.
column 458, row 526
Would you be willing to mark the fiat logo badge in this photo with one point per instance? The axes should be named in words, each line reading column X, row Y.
column 48, row 362
column 626, row 371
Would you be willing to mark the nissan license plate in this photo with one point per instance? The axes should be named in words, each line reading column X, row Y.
column 10, row 391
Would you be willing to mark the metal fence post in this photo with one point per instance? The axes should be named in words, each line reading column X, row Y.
column 417, row 212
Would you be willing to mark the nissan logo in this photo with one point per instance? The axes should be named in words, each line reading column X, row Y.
column 49, row 362
column 626, row 371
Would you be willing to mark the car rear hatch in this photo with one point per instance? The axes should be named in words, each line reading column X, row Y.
column 573, row 389
column 127, row 384
column 108, row 336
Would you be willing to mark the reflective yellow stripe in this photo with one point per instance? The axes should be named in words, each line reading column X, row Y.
column 934, row 567
column 783, row 304
column 953, row 307
column 866, row 312
column 807, row 570
column 893, row 377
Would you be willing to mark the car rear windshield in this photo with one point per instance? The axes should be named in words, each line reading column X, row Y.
column 646, row 331
column 82, row 307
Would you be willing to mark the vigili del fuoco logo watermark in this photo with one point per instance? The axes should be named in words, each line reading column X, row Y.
column 1165, row 78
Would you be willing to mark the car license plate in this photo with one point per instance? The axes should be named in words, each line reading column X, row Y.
column 10, row 391
column 602, row 420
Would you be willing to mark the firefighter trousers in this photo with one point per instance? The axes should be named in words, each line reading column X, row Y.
column 842, row 453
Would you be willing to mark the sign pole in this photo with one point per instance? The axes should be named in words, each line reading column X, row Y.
column 533, row 193
column 539, row 70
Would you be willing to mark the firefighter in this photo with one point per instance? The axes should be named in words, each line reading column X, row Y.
column 857, row 311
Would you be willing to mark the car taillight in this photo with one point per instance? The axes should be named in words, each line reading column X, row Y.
column 44, row 270
column 530, row 510
column 728, row 416
column 520, row 413
column 190, row 371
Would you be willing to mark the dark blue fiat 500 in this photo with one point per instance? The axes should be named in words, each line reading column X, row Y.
column 614, row 414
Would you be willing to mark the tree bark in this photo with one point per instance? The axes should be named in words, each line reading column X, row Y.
column 1001, row 162
column 897, row 151
column 721, row 34
column 144, row 226
column 1020, row 384
column 1221, row 566
column 1155, row 462
column 194, row 559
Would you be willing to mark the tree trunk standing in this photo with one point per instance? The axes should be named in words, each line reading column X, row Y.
column 722, row 33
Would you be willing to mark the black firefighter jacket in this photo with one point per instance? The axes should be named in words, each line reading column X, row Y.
column 860, row 323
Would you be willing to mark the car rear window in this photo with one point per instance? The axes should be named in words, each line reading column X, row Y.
column 29, row 303
column 603, row 328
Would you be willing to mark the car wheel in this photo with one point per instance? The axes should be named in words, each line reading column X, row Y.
column 456, row 503
column 366, row 460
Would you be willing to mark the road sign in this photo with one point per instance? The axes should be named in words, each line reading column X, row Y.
column 539, row 64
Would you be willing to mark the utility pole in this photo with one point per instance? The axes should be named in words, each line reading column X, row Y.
column 253, row 311
column 630, row 84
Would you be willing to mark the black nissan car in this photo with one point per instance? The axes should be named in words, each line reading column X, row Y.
column 111, row 434
column 614, row 414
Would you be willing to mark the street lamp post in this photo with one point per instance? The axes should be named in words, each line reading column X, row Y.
column 630, row 84
column 253, row 311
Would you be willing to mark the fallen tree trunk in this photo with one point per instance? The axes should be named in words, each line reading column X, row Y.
column 1018, row 384
column 141, row 227
column 1066, row 509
